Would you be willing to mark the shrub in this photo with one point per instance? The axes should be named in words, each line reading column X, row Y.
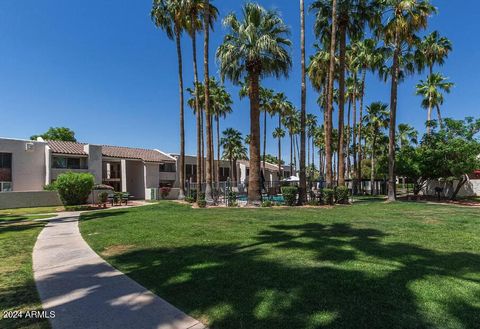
column 164, row 192
column 232, row 199
column 267, row 204
column 341, row 195
column 50, row 187
column 202, row 203
column 290, row 195
column 102, row 198
column 313, row 203
column 74, row 188
column 193, row 194
column 201, row 196
column 190, row 199
column 328, row 196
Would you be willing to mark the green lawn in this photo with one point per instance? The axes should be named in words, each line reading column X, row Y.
column 29, row 211
column 372, row 265
column 17, row 287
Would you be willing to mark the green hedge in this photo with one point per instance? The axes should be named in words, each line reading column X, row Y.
column 328, row 196
column 342, row 194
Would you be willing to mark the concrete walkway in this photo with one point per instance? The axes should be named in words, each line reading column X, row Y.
column 86, row 292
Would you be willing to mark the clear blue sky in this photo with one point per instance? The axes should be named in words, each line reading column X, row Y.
column 101, row 68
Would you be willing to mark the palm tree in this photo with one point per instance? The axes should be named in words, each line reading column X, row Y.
column 169, row 16
column 375, row 120
column 311, row 124
column 279, row 106
column 279, row 133
column 403, row 19
column 433, row 49
column 221, row 106
column 406, row 135
column 291, row 121
column 255, row 47
column 233, row 150
column 368, row 57
column 431, row 91
column 302, row 196
column 208, row 115
column 351, row 16
column 319, row 142
column 195, row 11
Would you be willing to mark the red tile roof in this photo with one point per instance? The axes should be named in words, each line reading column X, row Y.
column 61, row 147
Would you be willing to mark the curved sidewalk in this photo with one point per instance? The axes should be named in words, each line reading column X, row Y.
column 86, row 292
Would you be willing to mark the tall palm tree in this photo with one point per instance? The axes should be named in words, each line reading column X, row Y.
column 368, row 57
column 221, row 106
column 195, row 11
column 406, row 135
column 311, row 124
column 278, row 134
column 302, row 196
column 433, row 49
column 403, row 18
column 319, row 142
column 233, row 150
column 351, row 17
column 255, row 47
column 208, row 115
column 169, row 16
column 291, row 121
column 279, row 106
column 431, row 91
column 375, row 120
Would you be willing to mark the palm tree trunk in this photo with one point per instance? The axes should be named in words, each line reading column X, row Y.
column 393, row 117
column 235, row 178
column 218, row 149
column 208, row 169
column 372, row 171
column 362, row 97
column 348, row 138
column 341, row 106
column 198, row 115
column 264, row 137
column 291, row 154
column 329, row 109
column 356, row 178
column 203, row 146
column 429, row 115
column 302, row 195
column 279, row 146
column 254, row 180
column 181, row 162
column 439, row 114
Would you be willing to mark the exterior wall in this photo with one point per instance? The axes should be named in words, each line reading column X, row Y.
column 28, row 166
column 95, row 161
column 135, row 179
column 11, row 200
column 54, row 173
column 471, row 188
column 152, row 175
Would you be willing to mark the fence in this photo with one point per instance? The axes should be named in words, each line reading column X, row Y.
column 271, row 190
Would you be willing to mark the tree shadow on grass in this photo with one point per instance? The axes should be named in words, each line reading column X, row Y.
column 307, row 276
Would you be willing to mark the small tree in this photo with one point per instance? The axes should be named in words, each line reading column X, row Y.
column 74, row 188
column 57, row 134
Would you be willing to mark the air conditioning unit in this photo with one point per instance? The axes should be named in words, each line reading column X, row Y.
column 151, row 194
column 29, row 147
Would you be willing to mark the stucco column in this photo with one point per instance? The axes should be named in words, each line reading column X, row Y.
column 123, row 165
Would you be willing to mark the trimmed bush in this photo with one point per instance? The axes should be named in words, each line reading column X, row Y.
column 232, row 199
column 202, row 203
column 267, row 204
column 190, row 199
column 328, row 196
column 74, row 188
column 313, row 203
column 290, row 195
column 341, row 195
column 102, row 198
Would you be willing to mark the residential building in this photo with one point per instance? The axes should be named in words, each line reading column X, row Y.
column 30, row 165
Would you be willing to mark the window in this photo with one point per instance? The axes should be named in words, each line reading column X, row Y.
column 5, row 186
column 5, row 167
column 60, row 162
column 167, row 167
column 6, row 160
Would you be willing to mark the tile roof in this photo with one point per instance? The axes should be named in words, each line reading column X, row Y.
column 110, row 151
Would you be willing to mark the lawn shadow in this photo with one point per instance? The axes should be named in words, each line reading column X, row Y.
column 242, row 286
column 103, row 214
